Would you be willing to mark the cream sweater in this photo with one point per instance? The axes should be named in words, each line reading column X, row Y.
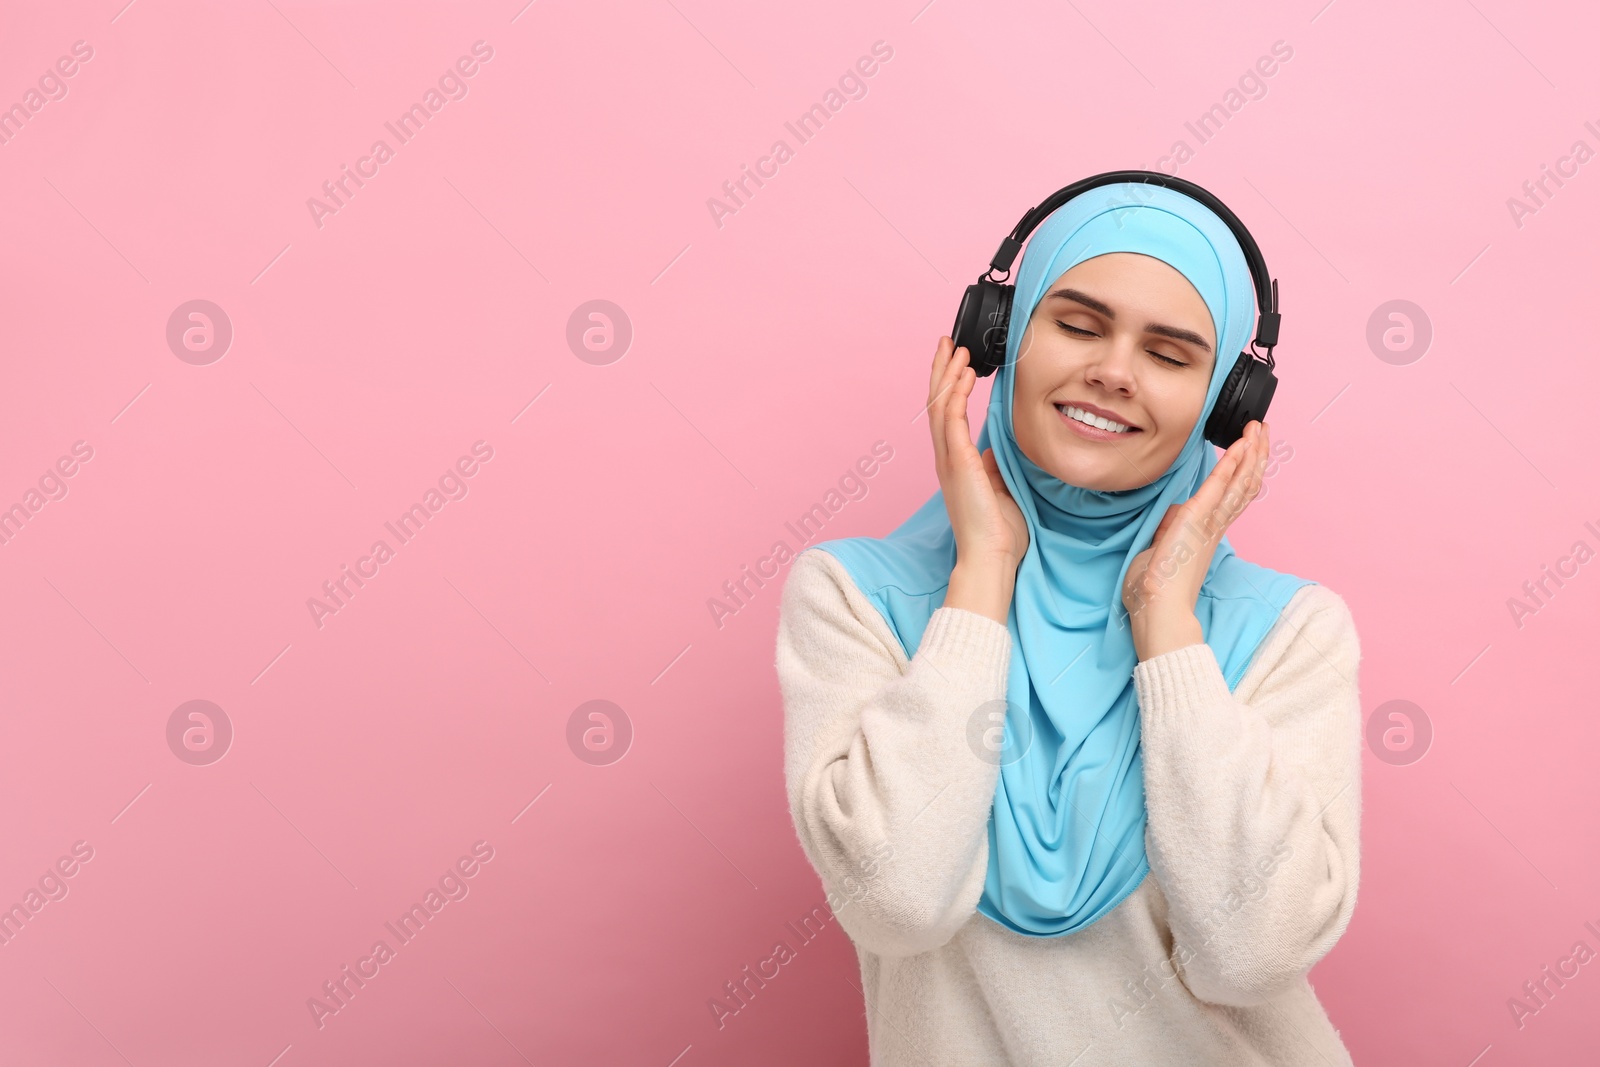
column 1254, row 811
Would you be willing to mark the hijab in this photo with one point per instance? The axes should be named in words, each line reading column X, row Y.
column 1066, row 829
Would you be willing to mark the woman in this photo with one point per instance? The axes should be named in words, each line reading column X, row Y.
column 1086, row 783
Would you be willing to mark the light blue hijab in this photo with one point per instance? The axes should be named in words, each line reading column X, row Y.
column 1066, row 831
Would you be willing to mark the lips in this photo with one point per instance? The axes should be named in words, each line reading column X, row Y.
column 1099, row 418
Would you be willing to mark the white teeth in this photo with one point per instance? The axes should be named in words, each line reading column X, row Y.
column 1092, row 420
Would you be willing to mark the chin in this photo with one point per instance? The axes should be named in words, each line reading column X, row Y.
column 1089, row 475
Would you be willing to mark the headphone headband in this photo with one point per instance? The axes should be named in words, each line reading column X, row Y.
column 1266, row 286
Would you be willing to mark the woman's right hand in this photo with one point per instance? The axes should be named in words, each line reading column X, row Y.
column 989, row 527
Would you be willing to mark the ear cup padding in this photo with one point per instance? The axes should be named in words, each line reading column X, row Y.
column 997, row 328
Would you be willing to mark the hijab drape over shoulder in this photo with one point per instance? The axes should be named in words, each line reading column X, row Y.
column 1066, row 832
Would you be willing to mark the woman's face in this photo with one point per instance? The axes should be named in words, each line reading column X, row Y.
column 1123, row 336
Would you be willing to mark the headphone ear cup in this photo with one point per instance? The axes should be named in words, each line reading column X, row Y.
column 981, row 325
column 1246, row 394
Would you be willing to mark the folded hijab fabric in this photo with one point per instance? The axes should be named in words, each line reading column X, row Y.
column 1066, row 831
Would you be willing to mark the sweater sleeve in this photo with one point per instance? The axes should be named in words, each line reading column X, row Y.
column 1255, row 808
column 889, row 797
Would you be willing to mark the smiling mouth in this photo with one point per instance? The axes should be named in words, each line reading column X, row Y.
column 1077, row 414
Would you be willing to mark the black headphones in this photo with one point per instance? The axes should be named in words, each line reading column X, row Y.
column 985, row 313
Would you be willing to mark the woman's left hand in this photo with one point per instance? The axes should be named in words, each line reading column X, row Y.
column 1163, row 581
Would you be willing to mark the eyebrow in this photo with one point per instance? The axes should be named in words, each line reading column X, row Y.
column 1174, row 332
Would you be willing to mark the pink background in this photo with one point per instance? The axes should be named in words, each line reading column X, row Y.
column 768, row 354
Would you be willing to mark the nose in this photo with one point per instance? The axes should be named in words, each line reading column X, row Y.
column 1112, row 366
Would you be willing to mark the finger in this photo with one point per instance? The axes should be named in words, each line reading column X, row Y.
column 1245, row 481
column 1258, row 459
column 958, row 434
column 954, row 359
column 1210, row 491
column 941, row 357
column 1263, row 453
column 938, row 395
column 945, row 368
column 949, row 409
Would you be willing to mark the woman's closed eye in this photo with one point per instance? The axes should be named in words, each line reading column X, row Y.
column 1076, row 332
